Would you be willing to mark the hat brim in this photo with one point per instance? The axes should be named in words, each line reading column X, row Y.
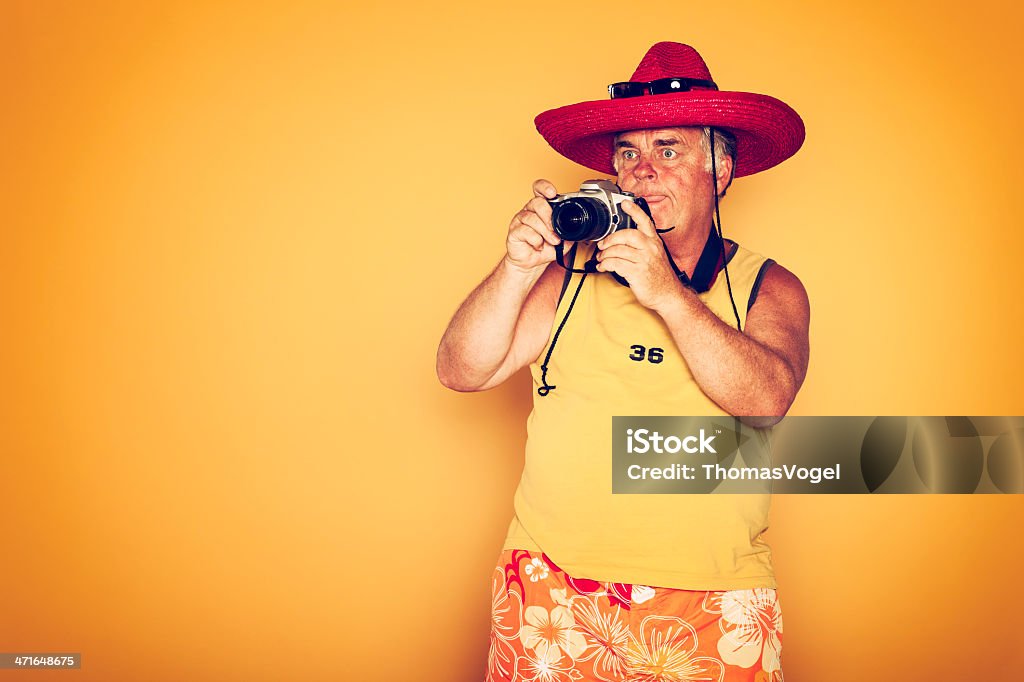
column 767, row 130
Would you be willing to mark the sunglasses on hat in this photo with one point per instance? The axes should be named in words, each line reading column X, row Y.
column 662, row 86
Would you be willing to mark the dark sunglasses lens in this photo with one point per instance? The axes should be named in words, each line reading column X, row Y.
column 667, row 85
column 627, row 89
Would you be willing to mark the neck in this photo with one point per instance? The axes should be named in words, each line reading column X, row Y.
column 687, row 244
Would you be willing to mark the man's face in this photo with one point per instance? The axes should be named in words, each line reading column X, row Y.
column 668, row 167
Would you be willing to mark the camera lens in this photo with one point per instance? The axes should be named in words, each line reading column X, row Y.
column 580, row 219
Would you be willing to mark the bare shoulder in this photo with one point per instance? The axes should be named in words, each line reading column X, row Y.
column 781, row 292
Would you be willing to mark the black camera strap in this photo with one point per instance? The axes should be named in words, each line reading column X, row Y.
column 710, row 263
column 589, row 267
column 716, row 224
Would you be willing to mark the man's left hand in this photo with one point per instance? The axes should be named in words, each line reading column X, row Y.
column 639, row 257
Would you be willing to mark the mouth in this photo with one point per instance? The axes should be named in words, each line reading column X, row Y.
column 653, row 199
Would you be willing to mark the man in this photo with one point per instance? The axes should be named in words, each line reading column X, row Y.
column 592, row 585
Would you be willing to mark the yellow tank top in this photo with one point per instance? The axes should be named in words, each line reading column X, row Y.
column 564, row 506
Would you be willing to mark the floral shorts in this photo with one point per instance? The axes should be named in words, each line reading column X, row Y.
column 547, row 626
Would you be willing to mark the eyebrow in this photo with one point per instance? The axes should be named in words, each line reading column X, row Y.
column 660, row 142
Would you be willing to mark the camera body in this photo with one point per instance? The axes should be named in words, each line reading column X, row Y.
column 594, row 212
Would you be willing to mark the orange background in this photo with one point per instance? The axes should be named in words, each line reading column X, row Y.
column 233, row 234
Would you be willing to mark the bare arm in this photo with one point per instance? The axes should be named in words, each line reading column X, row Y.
column 505, row 322
column 500, row 328
column 759, row 371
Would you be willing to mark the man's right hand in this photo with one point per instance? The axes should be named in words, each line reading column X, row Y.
column 531, row 240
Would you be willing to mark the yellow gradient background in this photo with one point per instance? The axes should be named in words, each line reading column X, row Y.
column 233, row 233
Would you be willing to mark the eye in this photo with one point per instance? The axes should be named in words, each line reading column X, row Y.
column 669, row 153
column 629, row 154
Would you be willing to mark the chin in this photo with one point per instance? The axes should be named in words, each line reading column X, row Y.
column 662, row 219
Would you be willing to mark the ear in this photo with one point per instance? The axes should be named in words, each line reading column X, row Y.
column 724, row 170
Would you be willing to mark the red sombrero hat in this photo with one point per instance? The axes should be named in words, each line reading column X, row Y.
column 767, row 130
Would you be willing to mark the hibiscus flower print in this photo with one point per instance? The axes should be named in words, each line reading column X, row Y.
column 555, row 629
column 664, row 652
column 617, row 593
column 536, row 570
column 751, row 627
column 506, row 620
column 607, row 635
column 548, row 626
column 547, row 666
column 641, row 594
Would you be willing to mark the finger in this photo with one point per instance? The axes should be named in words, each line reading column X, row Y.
column 525, row 233
column 629, row 237
column 544, row 188
column 548, row 253
column 643, row 222
column 621, row 251
column 541, row 207
column 543, row 227
column 617, row 265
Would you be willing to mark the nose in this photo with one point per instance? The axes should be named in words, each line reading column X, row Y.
column 644, row 170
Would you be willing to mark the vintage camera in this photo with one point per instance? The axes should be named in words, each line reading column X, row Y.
column 594, row 212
